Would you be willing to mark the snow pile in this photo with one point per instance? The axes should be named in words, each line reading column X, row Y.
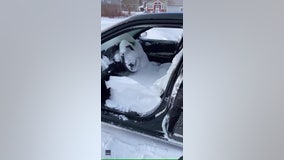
column 118, row 141
column 140, row 92
column 150, row 73
column 136, row 92
column 108, row 22
column 129, row 95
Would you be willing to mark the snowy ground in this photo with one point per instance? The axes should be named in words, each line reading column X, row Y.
column 126, row 144
column 107, row 22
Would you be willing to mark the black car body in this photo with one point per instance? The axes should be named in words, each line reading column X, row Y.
column 151, row 123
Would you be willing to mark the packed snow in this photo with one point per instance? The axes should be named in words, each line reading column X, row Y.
column 136, row 92
column 129, row 95
column 162, row 82
column 140, row 92
column 125, row 144
column 150, row 74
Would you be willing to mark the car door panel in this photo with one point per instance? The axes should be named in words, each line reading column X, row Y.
column 161, row 51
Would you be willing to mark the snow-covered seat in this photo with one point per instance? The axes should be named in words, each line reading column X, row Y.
column 132, row 94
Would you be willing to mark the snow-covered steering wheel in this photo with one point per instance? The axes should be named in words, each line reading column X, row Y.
column 129, row 57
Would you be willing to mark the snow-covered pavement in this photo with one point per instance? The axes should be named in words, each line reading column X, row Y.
column 107, row 22
column 124, row 144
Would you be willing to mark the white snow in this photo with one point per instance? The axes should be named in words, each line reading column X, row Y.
column 140, row 92
column 129, row 95
column 123, row 46
column 161, row 83
column 105, row 62
column 150, row 73
column 125, row 144
column 123, row 117
column 136, row 57
column 108, row 22
column 136, row 92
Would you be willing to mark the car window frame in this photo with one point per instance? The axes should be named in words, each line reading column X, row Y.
column 128, row 27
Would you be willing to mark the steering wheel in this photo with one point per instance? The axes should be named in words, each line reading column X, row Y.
column 131, row 63
column 129, row 57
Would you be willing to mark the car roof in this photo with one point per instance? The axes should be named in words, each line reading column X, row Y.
column 145, row 18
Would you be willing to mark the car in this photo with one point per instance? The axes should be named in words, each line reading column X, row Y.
column 142, row 76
